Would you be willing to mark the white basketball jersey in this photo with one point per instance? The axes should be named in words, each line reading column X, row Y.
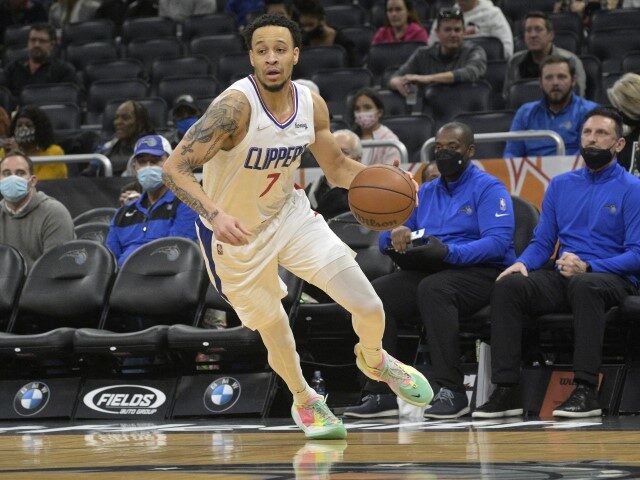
column 253, row 180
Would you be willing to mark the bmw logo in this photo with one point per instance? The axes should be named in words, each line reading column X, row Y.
column 31, row 399
column 222, row 394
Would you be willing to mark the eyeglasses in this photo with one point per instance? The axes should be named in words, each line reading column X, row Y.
column 450, row 14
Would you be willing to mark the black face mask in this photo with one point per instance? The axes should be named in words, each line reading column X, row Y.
column 596, row 158
column 450, row 162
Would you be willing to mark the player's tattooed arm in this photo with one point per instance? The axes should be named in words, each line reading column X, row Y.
column 222, row 126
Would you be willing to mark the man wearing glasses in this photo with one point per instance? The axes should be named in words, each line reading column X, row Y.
column 449, row 61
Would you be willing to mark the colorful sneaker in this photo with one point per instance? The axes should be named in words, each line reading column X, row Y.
column 316, row 420
column 405, row 381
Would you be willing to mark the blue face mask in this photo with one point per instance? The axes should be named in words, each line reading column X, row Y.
column 185, row 124
column 14, row 188
column 150, row 178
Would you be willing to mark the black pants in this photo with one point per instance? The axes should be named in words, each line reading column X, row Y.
column 439, row 299
column 517, row 299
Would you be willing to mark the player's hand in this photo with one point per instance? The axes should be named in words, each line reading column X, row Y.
column 569, row 264
column 400, row 238
column 228, row 229
column 396, row 163
column 517, row 267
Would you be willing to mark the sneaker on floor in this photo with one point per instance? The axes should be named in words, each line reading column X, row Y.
column 503, row 402
column 582, row 403
column 374, row 406
column 448, row 404
column 405, row 381
column 316, row 420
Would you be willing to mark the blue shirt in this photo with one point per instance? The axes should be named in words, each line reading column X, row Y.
column 472, row 216
column 537, row 116
column 134, row 224
column 595, row 216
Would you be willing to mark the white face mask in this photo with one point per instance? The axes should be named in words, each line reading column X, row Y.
column 366, row 119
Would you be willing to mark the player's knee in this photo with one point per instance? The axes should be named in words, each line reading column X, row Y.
column 369, row 308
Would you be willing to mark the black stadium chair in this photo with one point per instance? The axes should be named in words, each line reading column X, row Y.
column 99, row 215
column 487, row 122
column 610, row 46
column 203, row 25
column 231, row 66
column 443, row 102
column 523, row 91
column 94, row 231
column 567, row 21
column 49, row 93
column 157, row 108
column 81, row 55
column 147, row 28
column 88, row 32
column 496, row 72
column 608, row 79
column 118, row 69
column 568, row 40
column 394, row 103
column 14, row 53
column 413, row 131
column 361, row 36
column 386, row 55
column 103, row 91
column 315, row 59
column 517, row 9
column 192, row 66
column 612, row 19
column 147, row 51
column 631, row 62
column 16, row 36
column 492, row 46
column 213, row 47
column 63, row 116
column 593, row 70
column 12, row 275
column 6, row 99
column 341, row 16
column 335, row 85
column 170, row 88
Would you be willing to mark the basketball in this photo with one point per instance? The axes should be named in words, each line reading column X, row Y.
column 382, row 197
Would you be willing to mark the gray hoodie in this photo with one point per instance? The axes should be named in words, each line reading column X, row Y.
column 42, row 224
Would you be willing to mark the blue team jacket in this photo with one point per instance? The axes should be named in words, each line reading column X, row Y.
column 472, row 216
column 135, row 225
column 595, row 216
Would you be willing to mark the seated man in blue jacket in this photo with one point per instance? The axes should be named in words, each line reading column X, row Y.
column 594, row 213
column 157, row 213
column 450, row 251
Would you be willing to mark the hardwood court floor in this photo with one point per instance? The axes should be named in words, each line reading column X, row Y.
column 250, row 449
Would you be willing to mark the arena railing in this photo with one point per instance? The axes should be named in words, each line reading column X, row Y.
column 425, row 151
column 397, row 144
column 80, row 158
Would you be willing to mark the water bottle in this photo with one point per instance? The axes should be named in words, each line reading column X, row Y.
column 317, row 383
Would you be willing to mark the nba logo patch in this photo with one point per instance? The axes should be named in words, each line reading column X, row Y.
column 219, row 248
column 503, row 204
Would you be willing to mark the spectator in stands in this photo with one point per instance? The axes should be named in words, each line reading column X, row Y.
column 32, row 133
column 185, row 113
column 157, row 213
column 19, row 13
column 401, row 24
column 244, row 11
column 131, row 122
column 538, row 36
column 483, row 19
column 179, row 11
column 64, row 12
column 5, row 127
column 449, row 61
column 325, row 198
column 594, row 215
column 365, row 112
column 560, row 110
column 30, row 221
column 283, row 8
column 463, row 238
column 315, row 31
column 625, row 96
column 41, row 66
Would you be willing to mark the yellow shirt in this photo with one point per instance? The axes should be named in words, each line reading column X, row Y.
column 47, row 171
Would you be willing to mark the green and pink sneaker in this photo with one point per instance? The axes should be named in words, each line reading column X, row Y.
column 405, row 381
column 316, row 420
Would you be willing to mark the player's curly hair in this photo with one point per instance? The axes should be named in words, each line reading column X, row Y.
column 276, row 21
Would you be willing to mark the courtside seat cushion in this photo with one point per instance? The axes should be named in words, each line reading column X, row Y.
column 238, row 340
column 54, row 341
column 90, row 340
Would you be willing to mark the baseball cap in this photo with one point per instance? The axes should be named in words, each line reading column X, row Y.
column 155, row 145
column 185, row 101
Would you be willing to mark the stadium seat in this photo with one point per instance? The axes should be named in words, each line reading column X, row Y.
column 517, row 9
column 66, row 288
column 523, row 91
column 608, row 79
column 567, row 21
column 232, row 66
column 157, row 108
column 96, row 215
column 627, row 18
column 568, row 40
column 14, row 53
column 341, row 16
column 94, row 231
column 81, row 55
column 6, row 99
column 335, row 85
column 147, row 51
column 16, row 36
column 315, row 59
column 118, row 69
column 610, row 46
column 192, row 66
column 88, row 32
column 631, row 62
column 386, row 55
column 593, row 70
column 147, row 28
column 213, row 47
column 203, row 25
column 378, row 14
column 170, row 88
column 412, row 130
column 49, row 93
column 63, row 116
column 12, row 274
column 492, row 46
column 103, row 91
column 487, row 122
column 361, row 36
column 443, row 102
column 496, row 72
column 394, row 103
column 160, row 284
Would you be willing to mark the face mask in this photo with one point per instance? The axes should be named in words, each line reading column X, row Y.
column 150, row 178
column 450, row 163
column 365, row 120
column 25, row 135
column 596, row 158
column 14, row 188
column 185, row 124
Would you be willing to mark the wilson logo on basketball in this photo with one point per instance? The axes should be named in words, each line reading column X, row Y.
column 125, row 400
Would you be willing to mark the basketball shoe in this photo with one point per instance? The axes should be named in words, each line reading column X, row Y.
column 405, row 381
column 316, row 420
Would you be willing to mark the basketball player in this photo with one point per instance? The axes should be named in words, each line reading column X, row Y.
column 249, row 143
